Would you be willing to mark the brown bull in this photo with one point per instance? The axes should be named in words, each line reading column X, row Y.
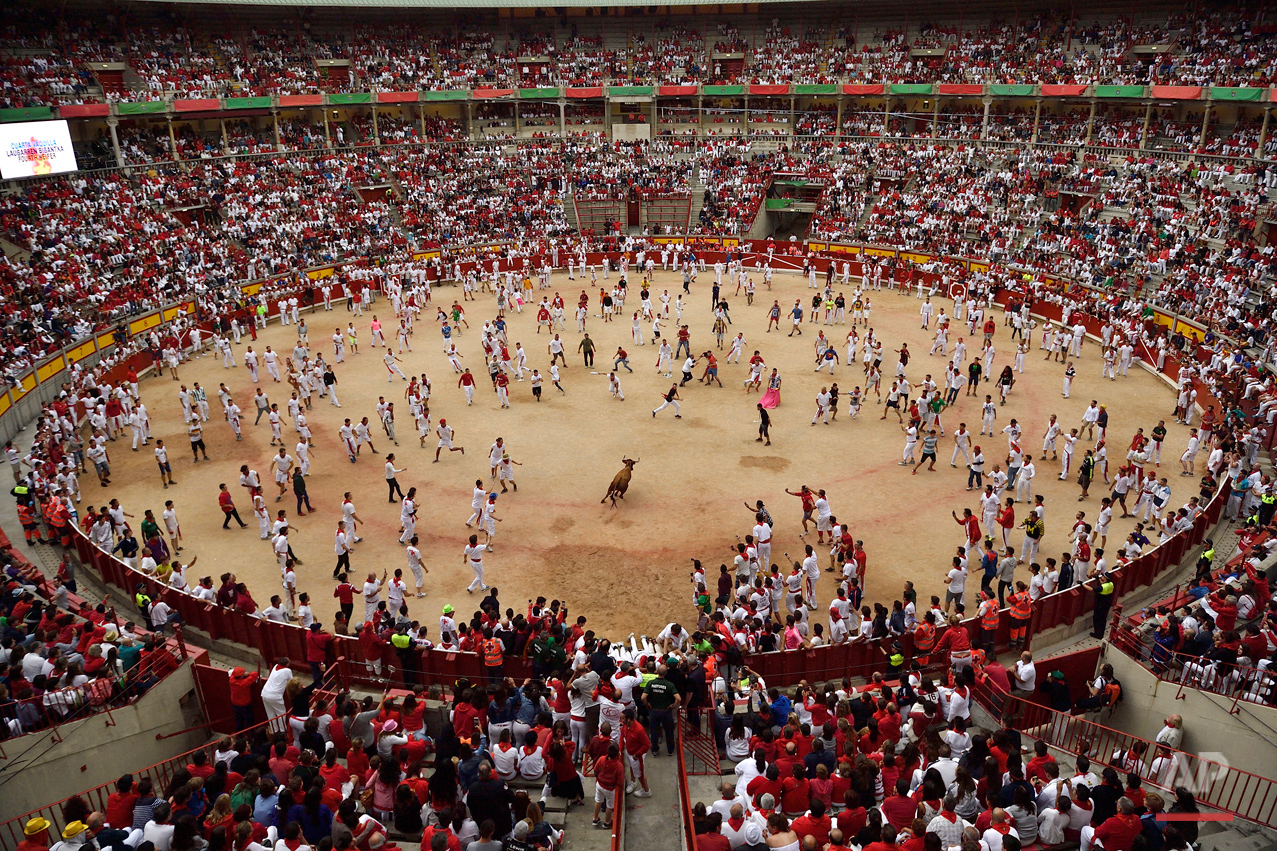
column 620, row 482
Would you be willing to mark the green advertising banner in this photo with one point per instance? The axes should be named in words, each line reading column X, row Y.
column 909, row 89
column 1231, row 93
column 350, row 100
column 722, row 90
column 552, row 92
column 630, row 91
column 248, row 103
column 30, row 113
column 818, row 89
column 1014, row 90
column 451, row 94
column 1119, row 91
column 149, row 107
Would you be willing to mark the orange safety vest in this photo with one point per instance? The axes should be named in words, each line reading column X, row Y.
column 1021, row 606
column 924, row 638
column 493, row 652
column 26, row 516
column 59, row 516
column 989, row 615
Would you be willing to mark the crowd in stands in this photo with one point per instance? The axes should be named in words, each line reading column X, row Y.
column 60, row 657
column 1217, row 635
column 1221, row 47
column 109, row 242
column 893, row 765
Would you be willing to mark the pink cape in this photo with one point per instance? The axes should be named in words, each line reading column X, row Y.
column 771, row 398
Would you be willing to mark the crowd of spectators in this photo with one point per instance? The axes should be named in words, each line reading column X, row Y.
column 1233, row 47
column 62, row 658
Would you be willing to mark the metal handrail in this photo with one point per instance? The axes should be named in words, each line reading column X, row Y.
column 1219, row 786
column 11, row 831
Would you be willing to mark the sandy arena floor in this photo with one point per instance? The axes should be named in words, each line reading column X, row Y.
column 625, row 568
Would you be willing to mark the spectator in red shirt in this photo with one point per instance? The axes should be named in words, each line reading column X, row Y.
column 815, row 824
column 1117, row 832
column 609, row 774
column 888, row 841
column 637, row 744
column 713, row 839
column 198, row 766
column 119, row 806
column 317, row 643
column 795, row 797
column 899, row 809
column 854, row 816
column 765, row 784
column 241, row 682
column 1036, row 769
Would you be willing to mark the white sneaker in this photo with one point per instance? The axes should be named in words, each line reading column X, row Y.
column 643, row 793
column 629, row 788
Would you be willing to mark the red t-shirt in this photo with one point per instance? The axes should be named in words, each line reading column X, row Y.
column 713, row 842
column 119, row 810
column 899, row 811
column 808, row 826
column 851, row 822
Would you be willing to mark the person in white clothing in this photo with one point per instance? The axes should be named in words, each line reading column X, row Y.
column 472, row 554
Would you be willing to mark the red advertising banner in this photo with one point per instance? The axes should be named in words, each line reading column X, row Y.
column 493, row 93
column 581, row 92
column 1176, row 92
column 782, row 89
column 677, row 91
column 959, row 89
column 396, row 97
column 862, row 88
column 301, row 100
column 1070, row 91
column 84, row 110
column 200, row 105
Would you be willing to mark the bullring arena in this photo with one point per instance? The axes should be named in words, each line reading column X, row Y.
column 624, row 568
column 656, row 239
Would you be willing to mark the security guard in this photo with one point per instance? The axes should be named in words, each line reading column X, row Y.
column 1267, row 507
column 493, row 656
column 1205, row 562
column 924, row 639
column 30, row 524
column 402, row 642
column 1104, row 588
column 895, row 660
column 143, row 601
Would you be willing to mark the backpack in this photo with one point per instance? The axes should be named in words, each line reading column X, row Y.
column 1112, row 691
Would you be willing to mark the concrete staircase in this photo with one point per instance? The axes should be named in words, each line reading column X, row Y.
column 569, row 211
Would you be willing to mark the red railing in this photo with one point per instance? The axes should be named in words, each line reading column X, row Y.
column 618, row 815
column 701, row 750
column 273, row 640
column 11, row 831
column 684, row 794
column 270, row 638
column 76, row 703
column 1216, row 785
column 1230, row 681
